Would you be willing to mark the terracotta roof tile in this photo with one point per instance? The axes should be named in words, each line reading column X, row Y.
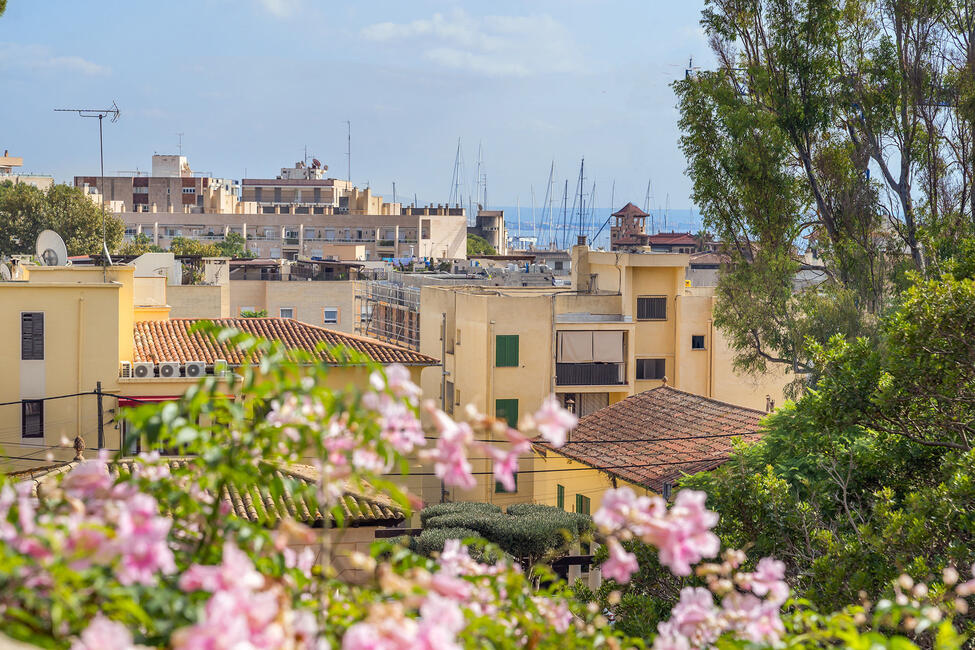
column 172, row 340
column 255, row 503
column 629, row 210
column 673, row 238
column 665, row 431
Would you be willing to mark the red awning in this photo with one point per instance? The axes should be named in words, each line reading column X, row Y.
column 145, row 399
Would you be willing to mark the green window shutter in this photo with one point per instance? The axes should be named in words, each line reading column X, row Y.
column 560, row 496
column 582, row 504
column 507, row 409
column 506, row 350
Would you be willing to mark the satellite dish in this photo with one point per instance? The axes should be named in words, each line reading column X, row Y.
column 51, row 250
column 4, row 273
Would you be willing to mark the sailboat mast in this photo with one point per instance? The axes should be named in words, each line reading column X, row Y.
column 534, row 233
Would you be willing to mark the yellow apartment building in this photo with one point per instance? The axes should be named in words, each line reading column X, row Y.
column 628, row 324
column 74, row 330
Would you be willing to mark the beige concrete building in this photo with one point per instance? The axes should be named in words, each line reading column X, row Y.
column 301, row 212
column 74, row 329
column 9, row 172
column 629, row 324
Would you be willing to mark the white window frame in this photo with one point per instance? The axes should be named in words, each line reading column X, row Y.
column 338, row 315
column 281, row 312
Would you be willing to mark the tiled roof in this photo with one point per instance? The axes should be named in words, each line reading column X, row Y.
column 667, row 428
column 172, row 340
column 629, row 210
column 255, row 503
column 673, row 238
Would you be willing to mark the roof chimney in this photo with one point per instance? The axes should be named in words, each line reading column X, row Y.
column 581, row 240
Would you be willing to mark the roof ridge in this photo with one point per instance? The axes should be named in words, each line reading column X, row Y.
column 703, row 397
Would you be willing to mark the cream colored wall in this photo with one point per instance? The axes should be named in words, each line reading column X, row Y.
column 149, row 291
column 81, row 347
column 198, row 301
column 576, row 478
column 306, row 298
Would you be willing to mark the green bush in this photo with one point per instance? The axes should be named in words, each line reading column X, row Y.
column 451, row 508
column 432, row 540
column 526, row 530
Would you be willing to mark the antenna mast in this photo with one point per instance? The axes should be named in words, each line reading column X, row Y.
column 179, row 147
column 348, row 150
column 101, row 114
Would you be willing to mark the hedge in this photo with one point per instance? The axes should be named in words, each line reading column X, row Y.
column 525, row 531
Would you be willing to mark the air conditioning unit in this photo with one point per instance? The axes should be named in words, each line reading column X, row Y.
column 144, row 369
column 169, row 369
column 125, row 369
column 195, row 368
column 221, row 368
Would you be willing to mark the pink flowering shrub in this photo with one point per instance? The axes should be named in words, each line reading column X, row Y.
column 113, row 559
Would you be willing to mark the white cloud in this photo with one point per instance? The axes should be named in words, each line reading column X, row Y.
column 280, row 8
column 502, row 46
column 37, row 57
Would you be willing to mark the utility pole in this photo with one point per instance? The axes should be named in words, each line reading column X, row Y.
column 101, row 418
column 100, row 114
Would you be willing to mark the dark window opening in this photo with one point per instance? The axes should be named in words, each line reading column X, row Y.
column 697, row 342
column 650, row 368
column 32, row 418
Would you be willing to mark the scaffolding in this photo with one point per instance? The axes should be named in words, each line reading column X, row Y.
column 388, row 311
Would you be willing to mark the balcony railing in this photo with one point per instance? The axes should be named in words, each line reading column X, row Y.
column 589, row 374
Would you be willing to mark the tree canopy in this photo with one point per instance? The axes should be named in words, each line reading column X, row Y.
column 26, row 210
column 477, row 245
column 845, row 128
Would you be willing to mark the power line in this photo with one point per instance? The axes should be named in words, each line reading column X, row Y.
column 584, row 442
column 577, row 469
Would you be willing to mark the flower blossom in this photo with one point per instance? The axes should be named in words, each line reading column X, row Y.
column 768, row 579
column 620, row 565
column 397, row 379
column 104, row 634
column 553, row 421
column 450, row 455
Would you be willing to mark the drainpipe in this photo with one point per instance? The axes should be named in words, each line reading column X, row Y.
column 710, row 358
column 492, row 344
column 81, row 365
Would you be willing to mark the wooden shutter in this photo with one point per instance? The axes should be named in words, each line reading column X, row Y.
column 651, row 308
column 507, row 409
column 506, row 350
column 560, row 496
column 32, row 336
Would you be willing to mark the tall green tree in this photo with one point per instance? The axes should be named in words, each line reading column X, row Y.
column 25, row 211
column 846, row 127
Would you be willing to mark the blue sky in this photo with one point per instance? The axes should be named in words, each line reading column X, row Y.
column 250, row 83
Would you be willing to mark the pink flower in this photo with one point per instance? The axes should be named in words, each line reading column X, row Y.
column 400, row 427
column 398, row 381
column 751, row 618
column 695, row 617
column 235, row 572
column 386, row 634
column 450, row 455
column 104, row 634
column 89, row 478
column 450, row 587
column 556, row 614
column 505, row 467
column 768, row 578
column 967, row 588
column 620, row 565
column 685, row 536
column 668, row 638
column 622, row 508
column 141, row 540
column 553, row 421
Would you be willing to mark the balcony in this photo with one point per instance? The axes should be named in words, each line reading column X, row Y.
column 590, row 374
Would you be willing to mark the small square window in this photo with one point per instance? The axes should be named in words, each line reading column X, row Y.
column 287, row 312
column 697, row 342
column 330, row 315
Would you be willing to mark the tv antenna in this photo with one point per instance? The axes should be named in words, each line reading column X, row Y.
column 180, row 145
column 348, row 151
column 101, row 114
